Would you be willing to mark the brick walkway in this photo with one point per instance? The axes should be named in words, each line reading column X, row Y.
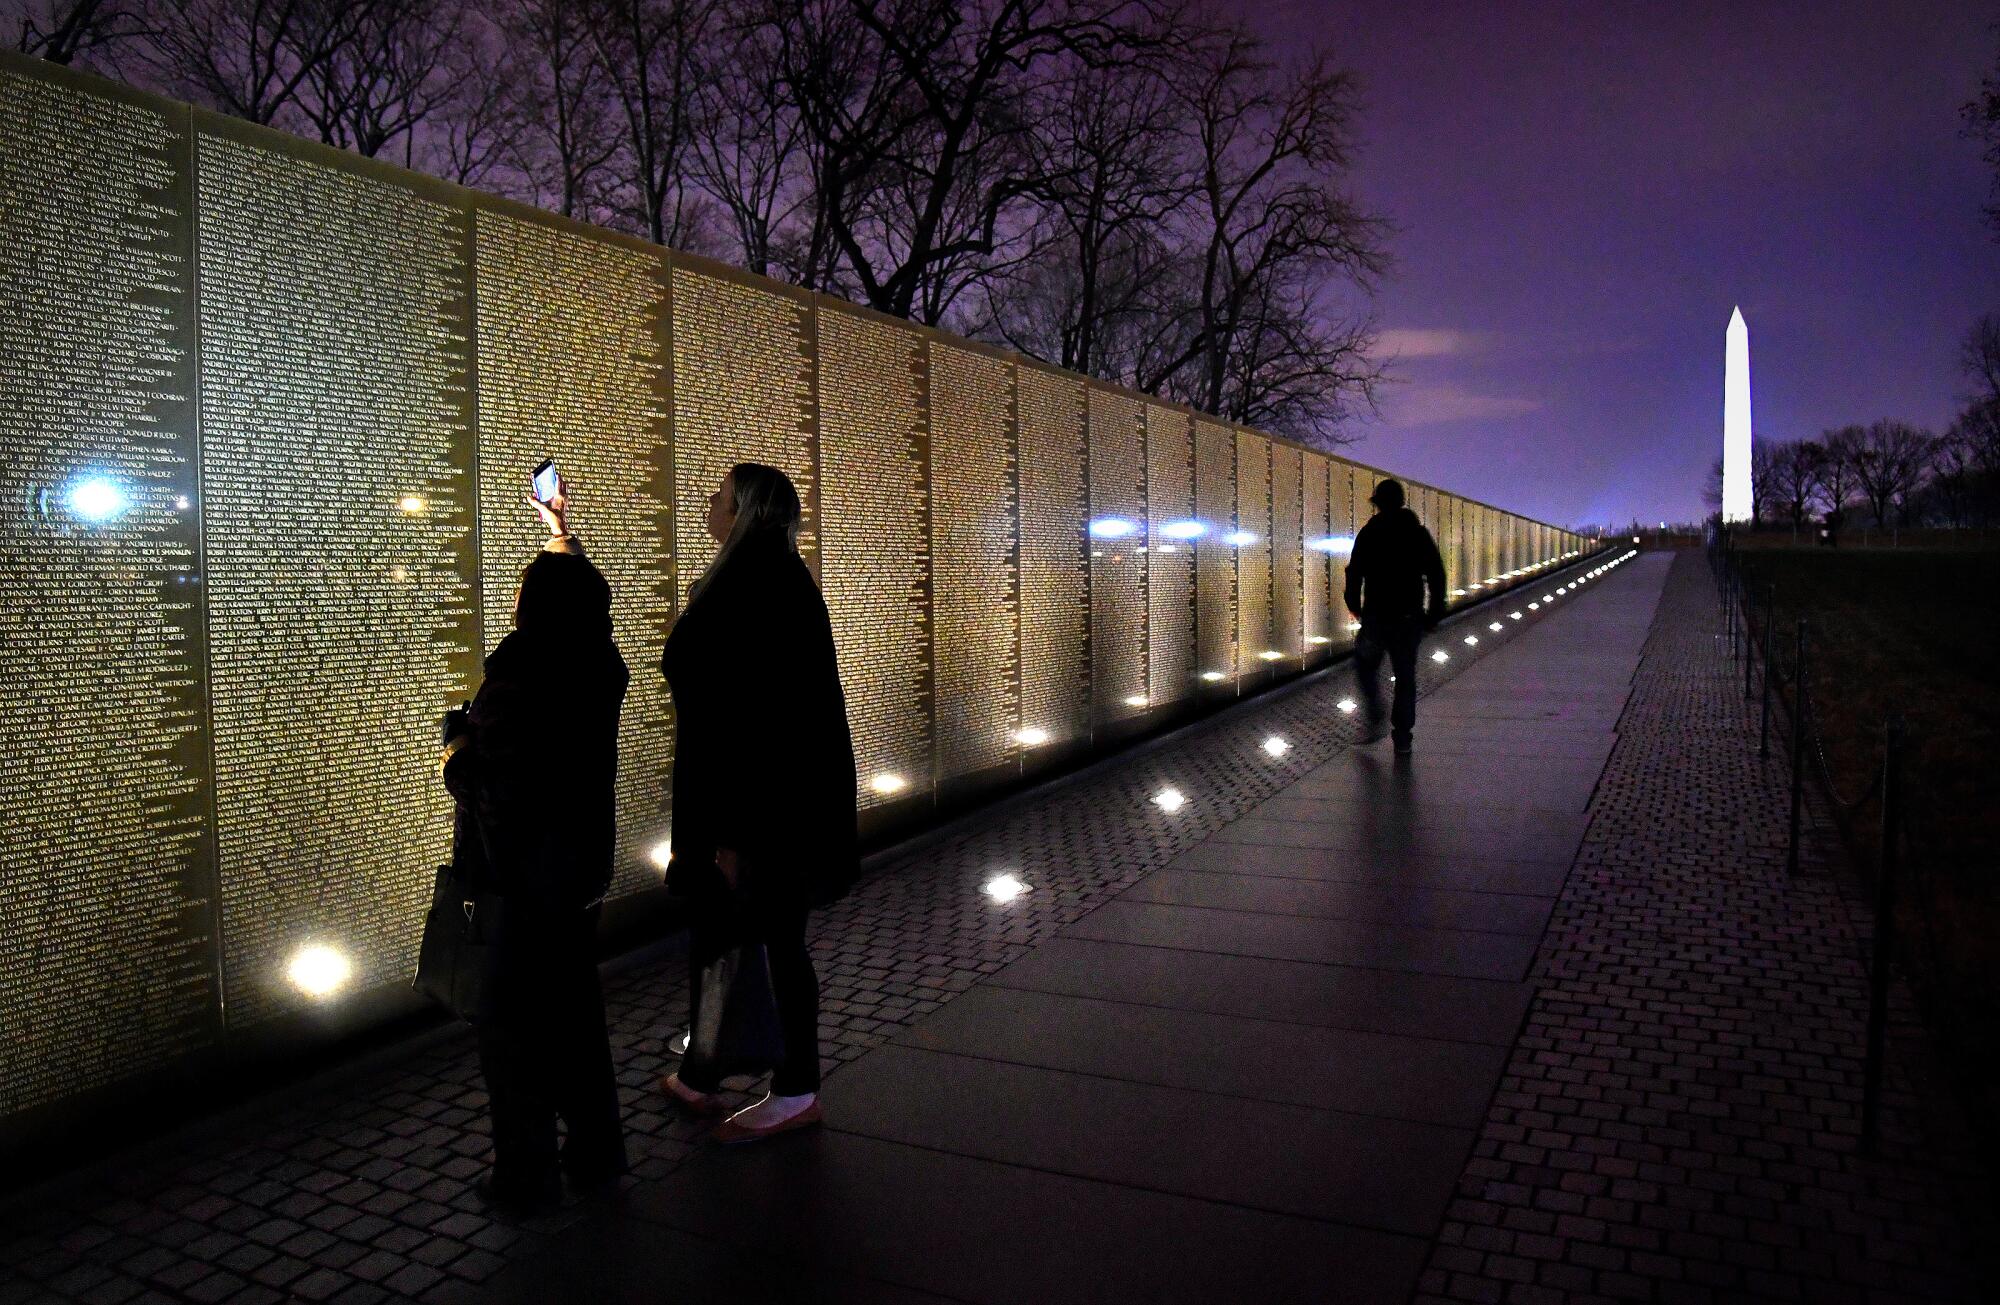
column 1679, row 1120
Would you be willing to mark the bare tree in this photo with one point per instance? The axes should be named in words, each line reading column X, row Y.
column 1889, row 462
column 75, row 31
column 748, row 144
column 1839, row 452
column 1979, row 358
column 1268, row 218
column 251, row 59
column 1764, row 498
column 476, row 136
column 1981, row 116
column 650, row 52
column 379, row 87
column 921, row 115
column 569, row 140
column 1112, row 177
column 1794, row 478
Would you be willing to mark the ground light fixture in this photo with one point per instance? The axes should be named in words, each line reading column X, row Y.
column 1136, row 700
column 1534, row 607
column 886, row 783
column 1275, row 746
column 1496, row 627
column 1032, row 737
column 1005, row 888
column 1440, row 656
column 1347, row 705
column 1169, row 799
column 1317, row 638
column 1513, row 616
column 318, row 970
column 1213, row 676
column 1472, row 641
column 1271, row 655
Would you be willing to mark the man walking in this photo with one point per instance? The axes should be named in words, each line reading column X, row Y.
column 1393, row 563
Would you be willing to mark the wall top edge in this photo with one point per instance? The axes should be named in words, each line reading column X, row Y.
column 201, row 121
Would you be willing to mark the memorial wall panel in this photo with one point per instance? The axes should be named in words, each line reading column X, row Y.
column 107, row 919
column 573, row 365
column 1118, row 676
column 1253, row 554
column 337, row 515
column 1214, row 557
column 1055, row 577
column 1318, row 560
column 1169, row 557
column 875, row 561
column 976, row 611
column 1287, row 555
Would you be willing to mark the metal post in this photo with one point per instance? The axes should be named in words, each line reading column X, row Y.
column 1743, row 601
column 1764, row 720
column 1799, row 725
column 1885, row 932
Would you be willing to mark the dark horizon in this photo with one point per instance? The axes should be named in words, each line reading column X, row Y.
column 1583, row 196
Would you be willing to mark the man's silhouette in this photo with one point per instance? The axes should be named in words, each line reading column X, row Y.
column 1393, row 563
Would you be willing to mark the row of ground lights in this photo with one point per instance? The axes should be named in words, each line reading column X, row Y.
column 319, row 970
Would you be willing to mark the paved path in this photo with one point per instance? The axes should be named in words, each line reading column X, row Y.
column 1264, row 1047
column 1256, row 1073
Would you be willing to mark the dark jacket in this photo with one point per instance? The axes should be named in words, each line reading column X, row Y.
column 762, row 759
column 535, row 771
column 1393, row 560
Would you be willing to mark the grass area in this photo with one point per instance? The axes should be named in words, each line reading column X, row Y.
column 1915, row 629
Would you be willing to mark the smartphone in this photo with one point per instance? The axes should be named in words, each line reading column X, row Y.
column 545, row 481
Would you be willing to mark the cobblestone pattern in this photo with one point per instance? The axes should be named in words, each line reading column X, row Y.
column 357, row 1188
column 1680, row 1117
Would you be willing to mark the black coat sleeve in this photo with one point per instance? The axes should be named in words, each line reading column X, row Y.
column 1434, row 577
column 1357, row 568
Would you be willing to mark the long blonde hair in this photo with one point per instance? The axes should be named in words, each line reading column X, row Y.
column 766, row 499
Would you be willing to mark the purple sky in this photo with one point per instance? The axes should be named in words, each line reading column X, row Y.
column 1584, row 190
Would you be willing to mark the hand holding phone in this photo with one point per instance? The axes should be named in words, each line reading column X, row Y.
column 549, row 496
column 545, row 480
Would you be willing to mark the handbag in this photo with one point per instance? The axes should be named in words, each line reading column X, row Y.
column 460, row 947
column 736, row 1028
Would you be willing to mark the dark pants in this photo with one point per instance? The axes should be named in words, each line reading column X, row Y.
column 1398, row 637
column 545, row 1054
column 713, row 929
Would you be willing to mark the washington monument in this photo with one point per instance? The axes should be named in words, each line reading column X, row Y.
column 1736, row 420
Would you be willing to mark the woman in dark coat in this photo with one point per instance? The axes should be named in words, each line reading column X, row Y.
column 763, row 786
column 532, row 764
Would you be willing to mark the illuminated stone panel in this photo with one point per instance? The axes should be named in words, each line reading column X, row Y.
column 337, row 505
column 875, row 564
column 107, row 924
column 975, row 611
column 1169, row 560
column 1214, row 557
column 573, row 365
column 1055, row 578
column 1253, row 557
column 1117, row 569
column 1287, row 554
column 1318, row 627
